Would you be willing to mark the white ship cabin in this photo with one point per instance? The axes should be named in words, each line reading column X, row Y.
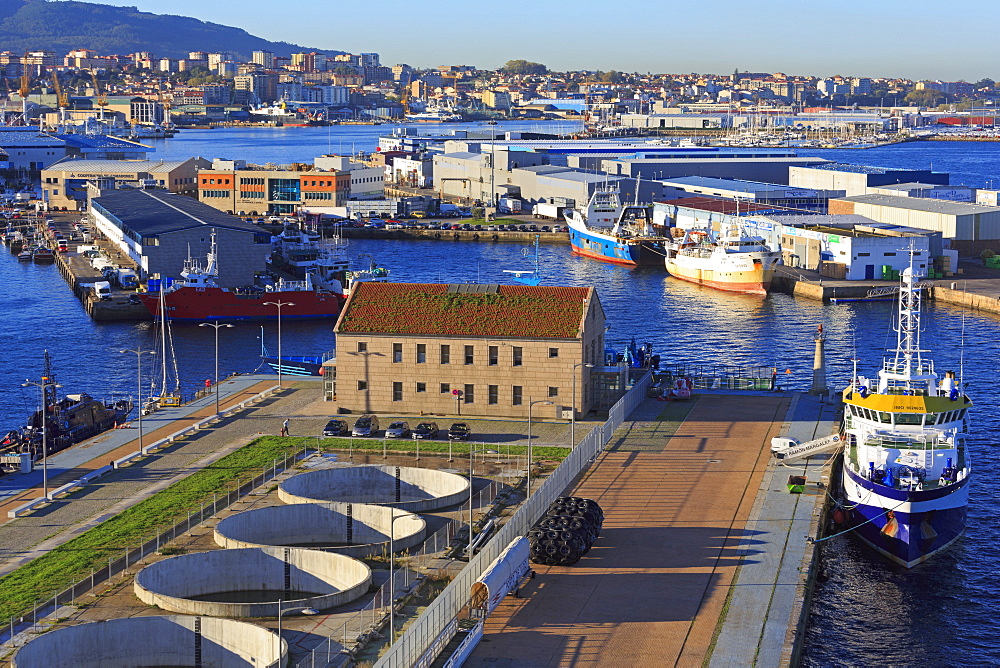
column 909, row 432
column 603, row 209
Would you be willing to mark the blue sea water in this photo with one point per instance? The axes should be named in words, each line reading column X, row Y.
column 865, row 611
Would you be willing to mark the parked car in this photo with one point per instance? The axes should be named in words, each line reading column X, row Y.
column 366, row 425
column 459, row 432
column 420, row 214
column 335, row 428
column 397, row 430
column 426, row 430
column 545, row 228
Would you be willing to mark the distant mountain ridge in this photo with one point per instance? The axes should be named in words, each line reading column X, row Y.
column 63, row 26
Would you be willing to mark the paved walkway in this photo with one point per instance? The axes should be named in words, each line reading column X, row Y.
column 767, row 600
column 27, row 537
column 653, row 588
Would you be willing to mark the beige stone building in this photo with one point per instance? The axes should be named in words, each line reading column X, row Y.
column 65, row 182
column 485, row 350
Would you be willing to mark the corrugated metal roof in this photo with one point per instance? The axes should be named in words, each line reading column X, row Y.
column 946, row 207
column 153, row 212
column 22, row 136
column 503, row 311
column 116, row 166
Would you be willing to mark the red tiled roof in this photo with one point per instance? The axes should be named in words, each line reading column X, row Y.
column 513, row 311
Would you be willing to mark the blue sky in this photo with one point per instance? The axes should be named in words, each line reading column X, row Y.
column 916, row 40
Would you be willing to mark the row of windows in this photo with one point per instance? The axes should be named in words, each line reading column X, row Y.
column 251, row 181
column 319, row 183
column 216, row 193
column 308, row 195
column 214, row 181
column 186, row 179
column 467, row 393
column 906, row 418
column 251, row 194
column 469, row 354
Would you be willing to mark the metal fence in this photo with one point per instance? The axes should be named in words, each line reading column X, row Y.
column 120, row 561
column 368, row 622
column 418, row 646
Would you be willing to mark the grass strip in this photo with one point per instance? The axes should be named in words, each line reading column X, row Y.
column 410, row 446
column 74, row 560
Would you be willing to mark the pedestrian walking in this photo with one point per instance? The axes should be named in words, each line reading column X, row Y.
column 284, row 428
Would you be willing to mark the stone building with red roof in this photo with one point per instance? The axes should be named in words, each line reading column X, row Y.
column 486, row 350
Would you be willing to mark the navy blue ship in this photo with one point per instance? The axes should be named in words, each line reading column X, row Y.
column 906, row 466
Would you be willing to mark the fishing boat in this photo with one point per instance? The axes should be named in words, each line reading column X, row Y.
column 606, row 229
column 197, row 295
column 43, row 255
column 733, row 261
column 907, row 470
column 25, row 256
column 67, row 421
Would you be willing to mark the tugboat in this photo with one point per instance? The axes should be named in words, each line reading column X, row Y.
column 68, row 421
column 907, row 469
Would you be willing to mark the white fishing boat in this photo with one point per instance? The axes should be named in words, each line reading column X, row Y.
column 733, row 260
column 907, row 470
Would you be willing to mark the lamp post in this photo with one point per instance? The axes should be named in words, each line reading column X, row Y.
column 305, row 610
column 472, row 454
column 279, row 304
column 216, row 326
column 572, row 424
column 139, row 352
column 392, row 575
column 531, row 403
column 42, row 386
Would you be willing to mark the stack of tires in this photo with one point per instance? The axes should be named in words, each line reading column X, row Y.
column 566, row 532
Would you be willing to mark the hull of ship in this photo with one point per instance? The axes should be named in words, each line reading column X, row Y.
column 218, row 304
column 611, row 249
column 756, row 281
column 296, row 366
column 906, row 527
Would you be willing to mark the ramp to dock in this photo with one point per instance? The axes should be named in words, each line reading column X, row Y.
column 653, row 588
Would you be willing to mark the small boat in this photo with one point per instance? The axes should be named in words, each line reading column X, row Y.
column 43, row 255
column 906, row 466
column 25, row 256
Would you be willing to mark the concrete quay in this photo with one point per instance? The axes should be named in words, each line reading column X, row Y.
column 703, row 558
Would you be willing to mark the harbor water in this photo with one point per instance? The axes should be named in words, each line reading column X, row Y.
column 865, row 610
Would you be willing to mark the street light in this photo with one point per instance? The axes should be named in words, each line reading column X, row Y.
column 43, row 385
column 279, row 304
column 216, row 326
column 139, row 352
column 392, row 575
column 572, row 424
column 305, row 610
column 472, row 453
column 530, row 404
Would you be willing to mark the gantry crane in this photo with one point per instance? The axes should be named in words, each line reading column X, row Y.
column 102, row 98
column 62, row 99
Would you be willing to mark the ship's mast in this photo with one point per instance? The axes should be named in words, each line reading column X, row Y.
column 908, row 352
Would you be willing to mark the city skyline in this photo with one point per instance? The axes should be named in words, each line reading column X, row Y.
column 851, row 38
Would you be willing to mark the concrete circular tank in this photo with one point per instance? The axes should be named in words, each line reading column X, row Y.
column 354, row 529
column 155, row 641
column 403, row 487
column 249, row 582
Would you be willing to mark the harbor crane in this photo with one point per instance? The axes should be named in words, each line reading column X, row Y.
column 102, row 98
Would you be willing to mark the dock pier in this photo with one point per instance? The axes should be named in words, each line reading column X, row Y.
column 704, row 557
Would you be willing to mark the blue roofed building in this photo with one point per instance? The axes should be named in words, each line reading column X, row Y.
column 30, row 150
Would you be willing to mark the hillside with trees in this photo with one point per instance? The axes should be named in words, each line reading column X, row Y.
column 63, row 26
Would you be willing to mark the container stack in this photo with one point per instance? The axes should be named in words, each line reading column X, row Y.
column 566, row 532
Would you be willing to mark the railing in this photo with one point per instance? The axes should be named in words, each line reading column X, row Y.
column 416, row 645
column 120, row 561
